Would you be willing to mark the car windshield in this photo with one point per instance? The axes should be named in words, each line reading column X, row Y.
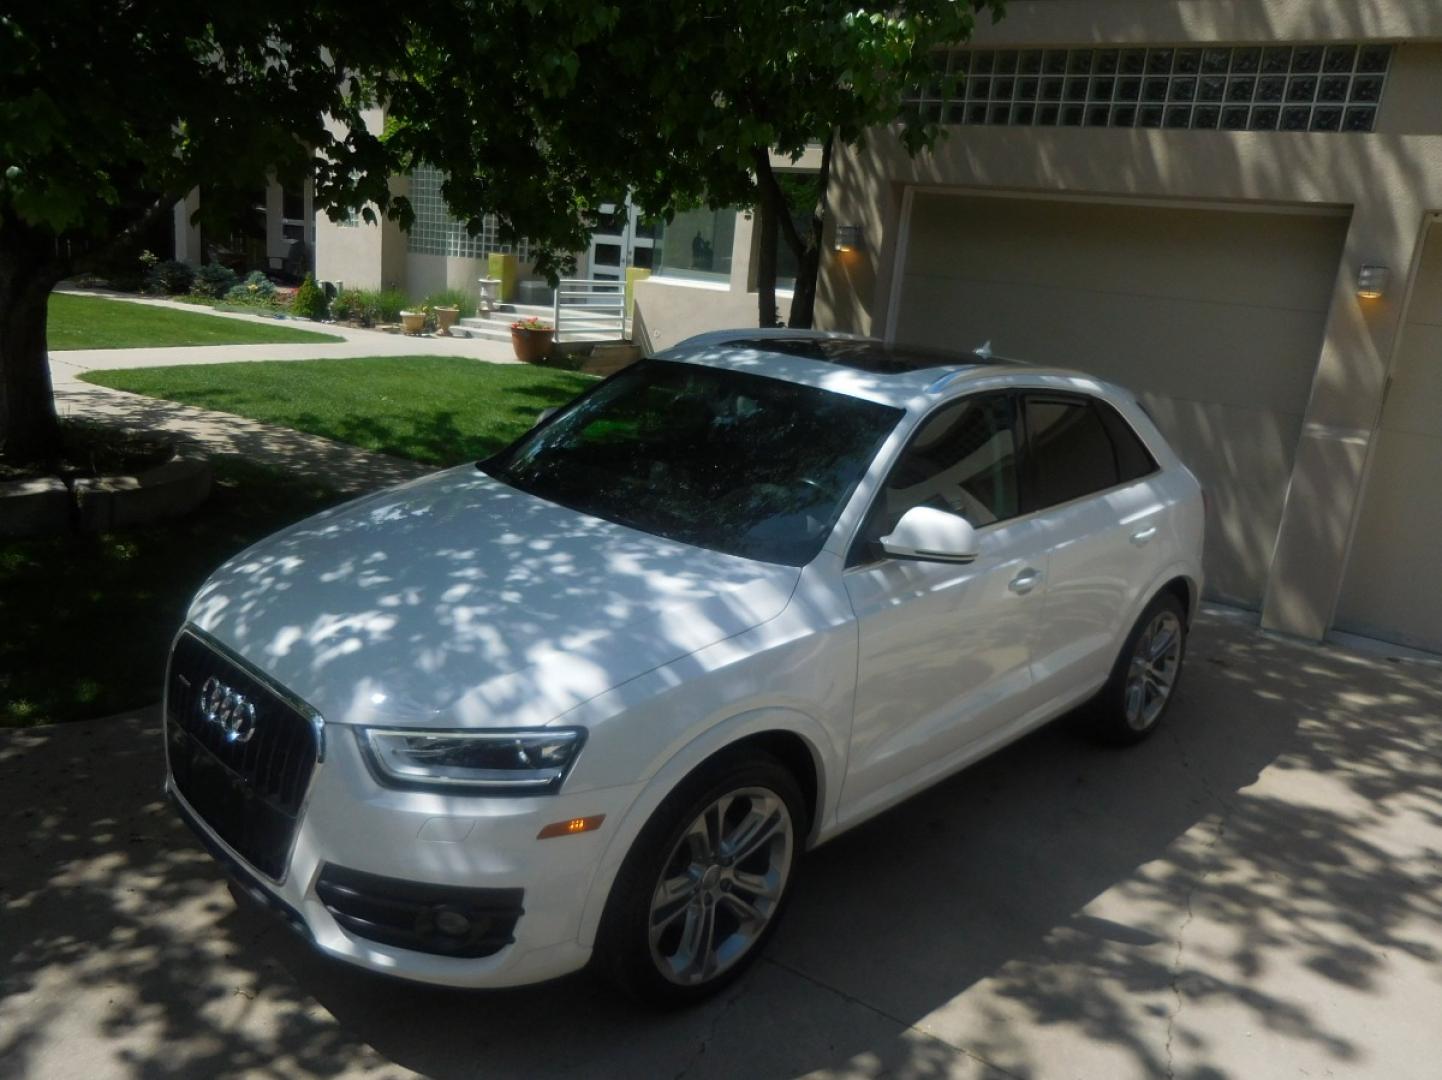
column 726, row 460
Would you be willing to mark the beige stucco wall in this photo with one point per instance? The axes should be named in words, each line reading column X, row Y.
column 362, row 255
column 1393, row 585
column 669, row 309
column 1387, row 181
column 1085, row 22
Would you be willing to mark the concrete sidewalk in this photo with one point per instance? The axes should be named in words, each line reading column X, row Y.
column 1254, row 893
column 346, row 468
column 67, row 365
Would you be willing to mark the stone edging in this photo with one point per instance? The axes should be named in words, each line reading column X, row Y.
column 47, row 507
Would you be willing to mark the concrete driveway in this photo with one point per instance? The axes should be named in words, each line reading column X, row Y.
column 1257, row 892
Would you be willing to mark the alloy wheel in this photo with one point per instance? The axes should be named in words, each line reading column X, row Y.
column 721, row 885
column 1155, row 662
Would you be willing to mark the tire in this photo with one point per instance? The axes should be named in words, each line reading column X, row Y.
column 679, row 965
column 1143, row 682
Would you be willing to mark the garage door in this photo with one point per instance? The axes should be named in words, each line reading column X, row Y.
column 1393, row 586
column 1214, row 317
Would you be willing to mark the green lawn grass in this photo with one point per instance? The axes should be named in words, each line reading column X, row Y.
column 437, row 409
column 88, row 619
column 92, row 322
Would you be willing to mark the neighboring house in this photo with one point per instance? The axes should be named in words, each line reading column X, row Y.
column 1186, row 197
column 279, row 218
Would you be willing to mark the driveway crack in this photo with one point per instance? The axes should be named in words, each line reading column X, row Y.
column 1224, row 810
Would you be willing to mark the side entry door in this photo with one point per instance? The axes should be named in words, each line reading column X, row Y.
column 945, row 648
column 1090, row 487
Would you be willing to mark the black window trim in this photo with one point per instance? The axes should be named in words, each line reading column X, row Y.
column 859, row 558
column 857, row 555
column 1030, row 485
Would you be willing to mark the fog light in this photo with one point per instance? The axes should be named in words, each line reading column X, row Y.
column 453, row 923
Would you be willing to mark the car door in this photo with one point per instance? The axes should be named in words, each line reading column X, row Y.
column 944, row 649
column 1088, row 488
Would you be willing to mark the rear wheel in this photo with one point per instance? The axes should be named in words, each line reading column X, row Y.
column 1144, row 680
column 705, row 883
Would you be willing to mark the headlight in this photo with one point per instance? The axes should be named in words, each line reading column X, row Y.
column 531, row 762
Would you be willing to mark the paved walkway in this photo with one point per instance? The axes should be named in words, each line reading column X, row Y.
column 1253, row 894
column 346, row 468
column 67, row 365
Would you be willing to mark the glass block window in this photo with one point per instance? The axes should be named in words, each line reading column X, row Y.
column 436, row 232
column 1227, row 87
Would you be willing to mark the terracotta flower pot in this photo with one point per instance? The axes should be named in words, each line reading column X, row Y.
column 413, row 322
column 532, row 346
column 446, row 318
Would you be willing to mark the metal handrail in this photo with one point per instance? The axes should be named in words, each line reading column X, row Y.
column 590, row 309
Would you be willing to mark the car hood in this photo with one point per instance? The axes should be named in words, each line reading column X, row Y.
column 455, row 600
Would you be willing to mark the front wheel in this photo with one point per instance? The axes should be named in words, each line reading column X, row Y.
column 705, row 883
column 1144, row 680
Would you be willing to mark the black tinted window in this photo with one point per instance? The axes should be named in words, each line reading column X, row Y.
column 1071, row 452
column 1134, row 460
column 721, row 459
column 963, row 460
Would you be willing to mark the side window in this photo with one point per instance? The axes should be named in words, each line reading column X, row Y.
column 1134, row 460
column 1071, row 452
column 963, row 459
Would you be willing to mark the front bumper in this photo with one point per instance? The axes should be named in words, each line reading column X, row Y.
column 476, row 855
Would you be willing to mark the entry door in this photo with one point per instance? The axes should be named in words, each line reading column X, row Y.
column 945, row 649
column 623, row 237
column 610, row 250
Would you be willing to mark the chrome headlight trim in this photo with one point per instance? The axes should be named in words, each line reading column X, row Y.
column 384, row 752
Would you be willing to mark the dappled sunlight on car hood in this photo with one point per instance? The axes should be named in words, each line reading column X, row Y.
column 455, row 599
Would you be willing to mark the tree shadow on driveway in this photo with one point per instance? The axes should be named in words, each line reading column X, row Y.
column 1254, row 891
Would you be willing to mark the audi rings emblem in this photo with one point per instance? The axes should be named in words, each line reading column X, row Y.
column 228, row 710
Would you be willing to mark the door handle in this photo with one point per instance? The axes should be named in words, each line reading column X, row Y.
column 1024, row 582
column 1141, row 536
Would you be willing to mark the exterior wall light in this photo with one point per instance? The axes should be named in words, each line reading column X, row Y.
column 1372, row 282
column 848, row 237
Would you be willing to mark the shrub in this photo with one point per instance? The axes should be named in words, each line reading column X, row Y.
column 310, row 300
column 169, row 277
column 451, row 298
column 257, row 290
column 389, row 304
column 349, row 305
column 214, row 280
column 368, row 306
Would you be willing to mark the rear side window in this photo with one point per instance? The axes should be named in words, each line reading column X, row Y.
column 1134, row 460
column 1071, row 453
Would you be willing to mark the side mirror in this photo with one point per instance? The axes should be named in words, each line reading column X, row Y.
column 544, row 415
column 932, row 535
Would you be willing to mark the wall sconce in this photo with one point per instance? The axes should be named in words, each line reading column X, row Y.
column 1372, row 282
column 848, row 237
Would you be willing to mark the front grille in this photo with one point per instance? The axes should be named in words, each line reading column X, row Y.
column 249, row 792
column 447, row 920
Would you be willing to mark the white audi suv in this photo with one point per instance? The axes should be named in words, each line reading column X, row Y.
column 592, row 698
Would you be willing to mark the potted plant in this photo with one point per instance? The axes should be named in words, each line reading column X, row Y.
column 532, row 339
column 413, row 322
column 446, row 317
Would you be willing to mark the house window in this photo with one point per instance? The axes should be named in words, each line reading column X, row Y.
column 436, row 232
column 1334, row 87
column 696, row 244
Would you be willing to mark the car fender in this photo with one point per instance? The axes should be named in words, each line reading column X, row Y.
column 1177, row 569
column 680, row 765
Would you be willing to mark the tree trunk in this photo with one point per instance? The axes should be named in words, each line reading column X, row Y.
column 768, row 208
column 29, row 430
column 808, row 258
